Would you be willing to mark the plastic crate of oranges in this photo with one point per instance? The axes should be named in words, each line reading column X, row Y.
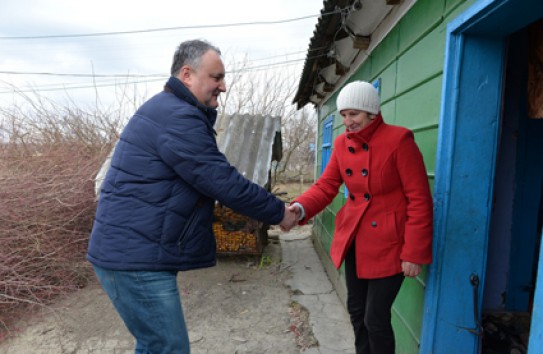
column 235, row 233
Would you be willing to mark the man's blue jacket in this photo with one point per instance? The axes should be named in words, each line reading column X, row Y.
column 155, row 210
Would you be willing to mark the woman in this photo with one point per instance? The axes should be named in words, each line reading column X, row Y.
column 384, row 230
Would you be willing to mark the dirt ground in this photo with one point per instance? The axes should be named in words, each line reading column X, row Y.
column 240, row 306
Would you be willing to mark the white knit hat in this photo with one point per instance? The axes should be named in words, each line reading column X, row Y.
column 359, row 95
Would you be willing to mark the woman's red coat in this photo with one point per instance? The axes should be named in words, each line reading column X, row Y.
column 389, row 207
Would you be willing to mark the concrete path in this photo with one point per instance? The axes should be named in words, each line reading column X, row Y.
column 313, row 290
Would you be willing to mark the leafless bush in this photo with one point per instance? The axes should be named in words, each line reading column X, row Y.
column 48, row 160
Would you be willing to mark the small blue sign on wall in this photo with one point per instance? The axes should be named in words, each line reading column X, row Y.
column 377, row 84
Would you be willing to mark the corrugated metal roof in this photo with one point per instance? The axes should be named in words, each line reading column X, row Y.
column 250, row 143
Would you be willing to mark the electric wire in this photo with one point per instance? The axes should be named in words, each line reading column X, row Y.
column 223, row 25
column 145, row 78
column 65, row 87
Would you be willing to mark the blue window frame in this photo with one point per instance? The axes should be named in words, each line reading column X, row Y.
column 327, row 134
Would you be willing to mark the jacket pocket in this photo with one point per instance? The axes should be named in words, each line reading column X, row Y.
column 381, row 229
column 197, row 225
column 188, row 229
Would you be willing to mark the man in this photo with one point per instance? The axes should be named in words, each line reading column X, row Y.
column 155, row 211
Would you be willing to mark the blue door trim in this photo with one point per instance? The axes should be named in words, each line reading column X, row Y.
column 466, row 158
column 536, row 328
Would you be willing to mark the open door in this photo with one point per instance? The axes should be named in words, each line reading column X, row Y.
column 468, row 144
column 515, row 231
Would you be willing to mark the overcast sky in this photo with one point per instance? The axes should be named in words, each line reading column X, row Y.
column 31, row 40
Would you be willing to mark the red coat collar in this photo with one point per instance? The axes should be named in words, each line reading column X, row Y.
column 366, row 133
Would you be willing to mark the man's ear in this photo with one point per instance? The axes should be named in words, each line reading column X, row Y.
column 185, row 75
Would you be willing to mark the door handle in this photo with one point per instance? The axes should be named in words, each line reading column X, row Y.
column 474, row 281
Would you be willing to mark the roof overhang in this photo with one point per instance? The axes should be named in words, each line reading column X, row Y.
column 344, row 36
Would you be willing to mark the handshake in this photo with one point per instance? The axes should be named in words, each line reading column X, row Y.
column 293, row 214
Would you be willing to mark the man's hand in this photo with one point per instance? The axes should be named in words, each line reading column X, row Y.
column 292, row 215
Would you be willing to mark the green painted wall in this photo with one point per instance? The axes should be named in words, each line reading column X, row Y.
column 409, row 62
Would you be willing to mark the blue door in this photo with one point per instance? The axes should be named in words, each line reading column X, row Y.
column 471, row 113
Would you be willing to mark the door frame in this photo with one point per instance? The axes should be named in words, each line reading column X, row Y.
column 471, row 104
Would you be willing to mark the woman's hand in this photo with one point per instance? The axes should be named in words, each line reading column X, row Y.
column 411, row 269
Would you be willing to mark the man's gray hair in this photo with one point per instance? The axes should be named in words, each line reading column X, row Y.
column 190, row 53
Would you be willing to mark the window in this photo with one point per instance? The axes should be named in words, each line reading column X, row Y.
column 327, row 134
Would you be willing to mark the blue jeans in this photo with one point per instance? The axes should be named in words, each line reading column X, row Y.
column 150, row 306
